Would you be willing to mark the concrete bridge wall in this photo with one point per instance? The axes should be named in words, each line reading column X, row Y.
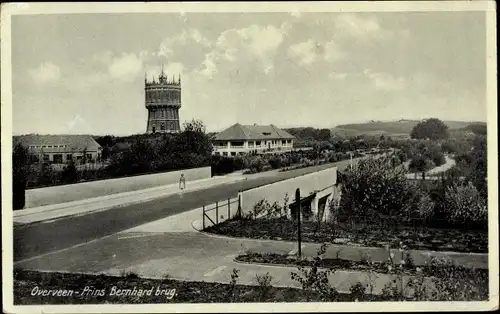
column 275, row 192
column 79, row 191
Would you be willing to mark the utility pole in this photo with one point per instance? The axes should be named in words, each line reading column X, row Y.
column 297, row 202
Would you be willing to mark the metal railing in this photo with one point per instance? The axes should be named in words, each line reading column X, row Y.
column 226, row 206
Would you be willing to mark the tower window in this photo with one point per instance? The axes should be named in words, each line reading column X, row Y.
column 163, row 113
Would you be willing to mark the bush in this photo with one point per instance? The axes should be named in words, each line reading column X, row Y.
column 69, row 174
column 464, row 206
column 256, row 165
column 374, row 186
column 419, row 164
column 314, row 280
column 275, row 162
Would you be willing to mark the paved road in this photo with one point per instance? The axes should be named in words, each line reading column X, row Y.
column 36, row 239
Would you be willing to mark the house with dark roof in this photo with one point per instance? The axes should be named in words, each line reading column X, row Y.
column 243, row 139
column 61, row 149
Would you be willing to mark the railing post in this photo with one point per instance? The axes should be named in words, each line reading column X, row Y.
column 297, row 200
column 239, row 205
column 229, row 208
column 216, row 213
column 203, row 217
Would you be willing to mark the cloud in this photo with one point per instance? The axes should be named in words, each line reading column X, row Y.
column 46, row 72
column 252, row 46
column 309, row 51
column 305, row 52
column 356, row 25
column 332, row 52
column 126, row 67
column 185, row 38
column 385, row 81
column 337, row 76
column 78, row 125
column 104, row 57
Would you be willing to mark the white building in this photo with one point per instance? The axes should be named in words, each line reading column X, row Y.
column 243, row 139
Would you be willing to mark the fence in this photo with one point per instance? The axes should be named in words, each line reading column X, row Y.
column 231, row 206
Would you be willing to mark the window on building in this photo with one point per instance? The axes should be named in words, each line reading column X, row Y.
column 46, row 157
column 284, row 142
column 242, row 153
column 163, row 113
column 237, row 144
column 89, row 156
column 224, row 153
column 257, row 143
column 57, row 158
column 69, row 157
column 233, row 153
column 217, row 153
column 266, row 133
column 162, row 126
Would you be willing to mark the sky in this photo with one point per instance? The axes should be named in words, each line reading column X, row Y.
column 84, row 73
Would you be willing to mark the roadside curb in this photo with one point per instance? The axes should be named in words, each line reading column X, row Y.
column 449, row 254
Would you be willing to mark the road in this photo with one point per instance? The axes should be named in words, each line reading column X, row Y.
column 40, row 238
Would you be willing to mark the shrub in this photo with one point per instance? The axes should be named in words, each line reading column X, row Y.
column 70, row 174
column 453, row 283
column 464, row 206
column 420, row 163
column 373, row 186
column 275, row 162
column 256, row 165
column 358, row 291
column 232, row 289
column 314, row 280
column 264, row 288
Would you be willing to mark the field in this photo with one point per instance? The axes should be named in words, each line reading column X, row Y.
column 401, row 128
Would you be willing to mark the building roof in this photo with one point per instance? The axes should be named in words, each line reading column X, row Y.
column 69, row 143
column 252, row 132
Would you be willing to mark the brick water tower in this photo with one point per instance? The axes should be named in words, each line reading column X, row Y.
column 163, row 101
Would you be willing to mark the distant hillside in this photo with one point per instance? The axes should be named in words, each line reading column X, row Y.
column 401, row 128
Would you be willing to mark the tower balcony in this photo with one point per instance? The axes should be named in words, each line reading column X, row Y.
column 171, row 104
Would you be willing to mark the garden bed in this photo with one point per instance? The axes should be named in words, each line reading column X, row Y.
column 26, row 281
column 420, row 238
column 408, row 269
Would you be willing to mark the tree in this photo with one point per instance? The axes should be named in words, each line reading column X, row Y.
column 324, row 135
column 20, row 172
column 477, row 128
column 433, row 129
column 420, row 164
column 194, row 126
column 70, row 174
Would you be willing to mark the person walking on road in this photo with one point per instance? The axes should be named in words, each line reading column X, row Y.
column 182, row 182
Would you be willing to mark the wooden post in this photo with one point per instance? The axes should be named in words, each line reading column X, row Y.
column 203, row 217
column 297, row 202
column 216, row 213
column 229, row 208
column 239, row 205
